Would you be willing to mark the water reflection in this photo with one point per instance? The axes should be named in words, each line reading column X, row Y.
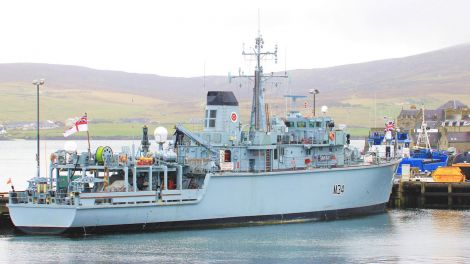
column 399, row 236
column 289, row 243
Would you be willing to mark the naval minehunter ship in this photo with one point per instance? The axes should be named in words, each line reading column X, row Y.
column 295, row 168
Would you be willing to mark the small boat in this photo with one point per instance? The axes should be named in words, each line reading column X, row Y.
column 424, row 160
column 391, row 143
column 422, row 157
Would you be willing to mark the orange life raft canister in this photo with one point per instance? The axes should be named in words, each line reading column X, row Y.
column 332, row 136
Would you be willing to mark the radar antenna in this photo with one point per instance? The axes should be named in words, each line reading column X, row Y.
column 258, row 114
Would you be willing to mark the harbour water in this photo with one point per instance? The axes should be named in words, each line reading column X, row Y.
column 397, row 236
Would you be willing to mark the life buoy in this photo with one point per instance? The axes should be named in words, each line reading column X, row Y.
column 332, row 136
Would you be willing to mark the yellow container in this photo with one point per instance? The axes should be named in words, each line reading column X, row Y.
column 448, row 174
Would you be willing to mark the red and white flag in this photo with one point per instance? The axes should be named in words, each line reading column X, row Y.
column 80, row 125
column 389, row 126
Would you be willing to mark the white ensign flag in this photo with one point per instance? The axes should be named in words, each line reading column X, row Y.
column 80, row 125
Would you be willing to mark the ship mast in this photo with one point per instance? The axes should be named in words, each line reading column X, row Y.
column 258, row 114
column 423, row 137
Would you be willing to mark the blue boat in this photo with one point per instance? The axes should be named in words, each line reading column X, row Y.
column 422, row 156
column 426, row 160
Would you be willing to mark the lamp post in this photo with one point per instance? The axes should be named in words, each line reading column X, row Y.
column 38, row 83
column 314, row 92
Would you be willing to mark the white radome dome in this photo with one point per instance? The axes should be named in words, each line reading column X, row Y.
column 161, row 134
column 324, row 109
column 70, row 146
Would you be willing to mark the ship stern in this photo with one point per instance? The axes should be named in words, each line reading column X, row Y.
column 42, row 219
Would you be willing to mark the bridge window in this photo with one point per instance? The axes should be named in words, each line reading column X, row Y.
column 211, row 122
column 311, row 124
column 211, row 115
column 289, row 124
column 301, row 124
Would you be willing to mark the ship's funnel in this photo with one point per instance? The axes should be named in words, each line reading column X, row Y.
column 222, row 117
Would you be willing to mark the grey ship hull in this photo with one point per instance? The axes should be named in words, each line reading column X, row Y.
column 228, row 199
column 210, row 223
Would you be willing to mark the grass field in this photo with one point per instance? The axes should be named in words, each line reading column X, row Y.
column 18, row 103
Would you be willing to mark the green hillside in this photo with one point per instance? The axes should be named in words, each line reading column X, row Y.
column 107, row 110
column 119, row 103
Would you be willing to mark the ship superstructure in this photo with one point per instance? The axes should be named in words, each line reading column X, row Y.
column 277, row 170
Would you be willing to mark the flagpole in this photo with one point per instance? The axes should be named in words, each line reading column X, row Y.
column 89, row 151
column 88, row 137
column 38, row 83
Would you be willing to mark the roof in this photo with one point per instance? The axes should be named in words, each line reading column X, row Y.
column 221, row 98
column 434, row 115
column 453, row 104
column 410, row 112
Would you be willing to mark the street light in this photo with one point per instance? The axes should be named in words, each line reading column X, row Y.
column 38, row 83
column 314, row 92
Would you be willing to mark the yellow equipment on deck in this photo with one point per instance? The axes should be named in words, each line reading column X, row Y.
column 448, row 174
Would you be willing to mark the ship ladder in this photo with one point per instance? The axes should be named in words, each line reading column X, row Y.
column 268, row 160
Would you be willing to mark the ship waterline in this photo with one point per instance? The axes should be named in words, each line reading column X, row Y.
column 225, row 199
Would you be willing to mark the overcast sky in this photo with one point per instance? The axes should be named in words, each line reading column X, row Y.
column 177, row 38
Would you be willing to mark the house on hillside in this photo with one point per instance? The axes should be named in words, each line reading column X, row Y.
column 3, row 130
column 48, row 124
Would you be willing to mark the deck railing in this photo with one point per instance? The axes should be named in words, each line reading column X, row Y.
column 61, row 198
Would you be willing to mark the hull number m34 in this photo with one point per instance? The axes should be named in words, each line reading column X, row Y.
column 338, row 189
